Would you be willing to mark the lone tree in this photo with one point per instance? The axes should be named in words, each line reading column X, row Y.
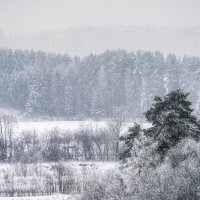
column 172, row 120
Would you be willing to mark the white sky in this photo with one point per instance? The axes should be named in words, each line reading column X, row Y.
column 37, row 15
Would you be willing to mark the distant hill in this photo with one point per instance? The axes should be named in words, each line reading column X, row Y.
column 86, row 40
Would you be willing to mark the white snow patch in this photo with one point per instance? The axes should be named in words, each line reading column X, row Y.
column 52, row 197
column 68, row 125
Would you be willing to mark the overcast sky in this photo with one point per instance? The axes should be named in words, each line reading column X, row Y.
column 37, row 15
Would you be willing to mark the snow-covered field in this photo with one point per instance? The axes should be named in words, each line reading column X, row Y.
column 62, row 125
column 67, row 125
column 25, row 179
column 51, row 197
column 43, row 180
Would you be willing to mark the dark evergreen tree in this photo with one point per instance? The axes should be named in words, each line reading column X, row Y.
column 129, row 141
column 172, row 120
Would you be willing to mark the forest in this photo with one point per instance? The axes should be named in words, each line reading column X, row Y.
column 49, row 86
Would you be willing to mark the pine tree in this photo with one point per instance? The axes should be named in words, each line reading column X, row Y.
column 134, row 132
column 172, row 120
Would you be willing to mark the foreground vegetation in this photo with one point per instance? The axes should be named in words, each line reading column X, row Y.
column 159, row 162
column 42, row 179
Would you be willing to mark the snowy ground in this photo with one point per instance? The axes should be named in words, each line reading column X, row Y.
column 79, row 172
column 53, row 197
column 63, row 125
column 67, row 125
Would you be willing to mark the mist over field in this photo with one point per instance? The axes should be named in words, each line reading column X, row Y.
column 85, row 40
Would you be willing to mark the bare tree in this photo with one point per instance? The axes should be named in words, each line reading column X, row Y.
column 7, row 124
column 27, row 147
column 115, row 126
column 52, row 145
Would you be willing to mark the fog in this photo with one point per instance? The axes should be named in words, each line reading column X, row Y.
column 78, row 27
column 28, row 16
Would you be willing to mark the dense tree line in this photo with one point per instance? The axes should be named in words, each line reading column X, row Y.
column 51, row 85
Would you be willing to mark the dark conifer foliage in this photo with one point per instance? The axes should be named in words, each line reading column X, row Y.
column 172, row 120
column 128, row 140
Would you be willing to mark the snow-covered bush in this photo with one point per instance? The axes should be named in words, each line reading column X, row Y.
column 105, row 186
column 177, row 178
column 145, row 177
